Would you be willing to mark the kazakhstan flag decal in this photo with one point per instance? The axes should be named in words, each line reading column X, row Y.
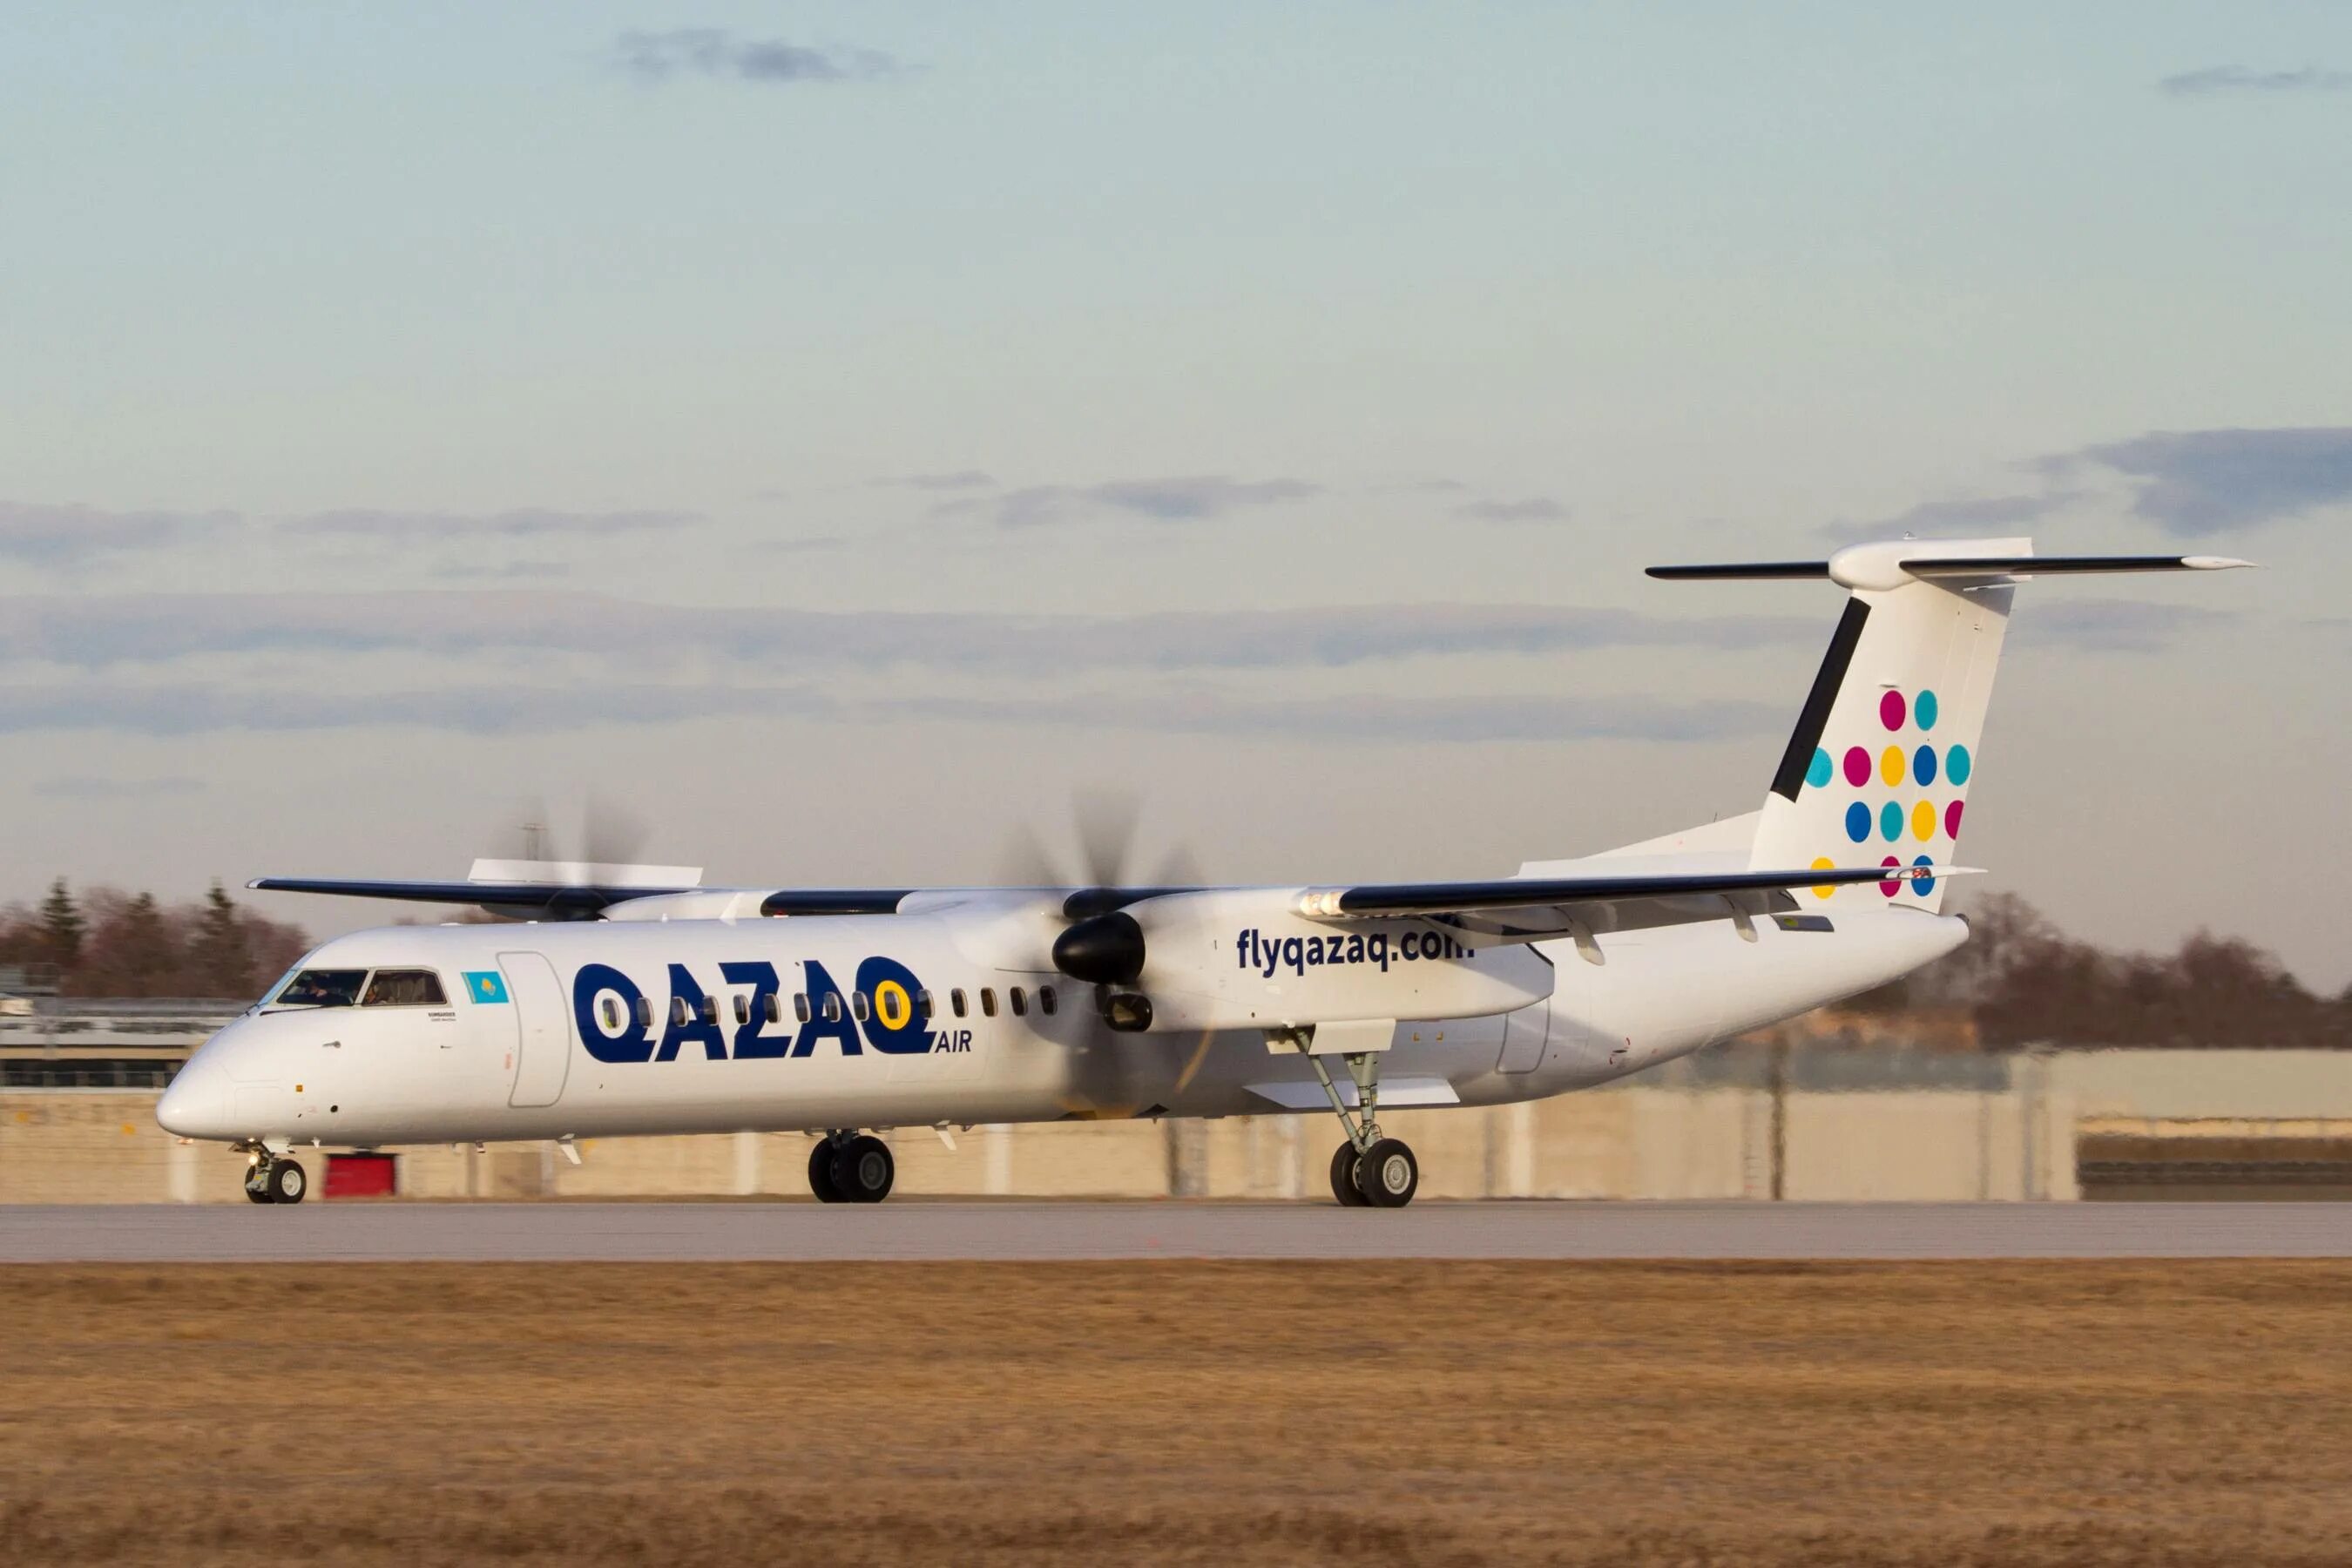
column 486, row 986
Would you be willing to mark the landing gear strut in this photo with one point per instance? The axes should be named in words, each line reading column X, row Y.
column 850, row 1167
column 270, row 1180
column 1369, row 1170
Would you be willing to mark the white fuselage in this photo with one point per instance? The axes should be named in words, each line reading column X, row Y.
column 564, row 1053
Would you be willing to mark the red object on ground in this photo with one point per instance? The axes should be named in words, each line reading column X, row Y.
column 363, row 1176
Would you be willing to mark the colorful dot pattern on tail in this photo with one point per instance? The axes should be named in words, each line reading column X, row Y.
column 1895, row 766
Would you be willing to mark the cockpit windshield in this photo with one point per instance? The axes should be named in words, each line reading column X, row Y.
column 404, row 988
column 320, row 988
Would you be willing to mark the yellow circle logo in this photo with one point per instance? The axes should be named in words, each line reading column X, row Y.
column 1893, row 767
column 892, row 1005
column 1922, row 822
column 1823, row 864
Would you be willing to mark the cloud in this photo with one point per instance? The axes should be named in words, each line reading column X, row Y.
column 501, row 571
column 1376, row 717
column 1946, row 519
column 961, row 479
column 1534, row 508
column 807, row 544
column 2115, row 626
column 1195, row 497
column 82, row 787
column 103, row 631
column 655, row 57
column 37, row 534
column 2216, row 80
column 2197, row 482
column 527, row 522
column 183, row 709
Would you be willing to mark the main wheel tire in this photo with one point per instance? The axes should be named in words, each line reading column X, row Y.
column 821, row 1173
column 288, row 1182
column 1343, row 1179
column 1388, row 1174
column 257, row 1183
column 863, row 1169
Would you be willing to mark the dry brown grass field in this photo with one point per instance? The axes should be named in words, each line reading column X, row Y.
column 2138, row 1414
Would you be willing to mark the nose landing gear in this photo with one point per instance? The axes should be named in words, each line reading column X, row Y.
column 271, row 1180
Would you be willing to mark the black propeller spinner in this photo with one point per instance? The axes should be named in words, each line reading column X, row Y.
column 1104, row 945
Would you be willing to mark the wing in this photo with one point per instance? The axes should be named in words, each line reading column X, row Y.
column 583, row 900
column 1526, row 908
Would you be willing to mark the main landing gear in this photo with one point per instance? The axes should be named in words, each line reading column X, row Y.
column 851, row 1167
column 271, row 1180
column 1369, row 1170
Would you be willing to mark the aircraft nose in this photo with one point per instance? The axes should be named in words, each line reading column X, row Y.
column 196, row 1105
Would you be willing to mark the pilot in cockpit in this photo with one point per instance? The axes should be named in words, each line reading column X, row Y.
column 321, row 988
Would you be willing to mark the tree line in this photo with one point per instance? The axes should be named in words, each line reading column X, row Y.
column 105, row 943
column 2019, row 981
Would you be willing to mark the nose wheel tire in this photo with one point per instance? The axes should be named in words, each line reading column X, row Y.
column 1387, row 1175
column 863, row 1169
column 272, row 1181
column 287, row 1182
column 820, row 1173
column 1343, row 1178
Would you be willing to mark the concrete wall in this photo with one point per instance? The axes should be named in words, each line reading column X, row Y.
column 1851, row 1125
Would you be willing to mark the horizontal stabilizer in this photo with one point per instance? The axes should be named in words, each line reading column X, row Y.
column 1738, row 571
column 2055, row 565
column 1928, row 564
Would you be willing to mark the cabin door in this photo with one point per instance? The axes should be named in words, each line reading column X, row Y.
column 543, row 1052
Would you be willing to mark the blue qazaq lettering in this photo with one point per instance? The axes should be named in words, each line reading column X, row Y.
column 621, row 1022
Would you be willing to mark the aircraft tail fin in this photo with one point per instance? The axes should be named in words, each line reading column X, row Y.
column 1878, row 768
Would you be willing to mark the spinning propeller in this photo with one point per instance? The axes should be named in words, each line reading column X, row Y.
column 610, row 837
column 1104, row 945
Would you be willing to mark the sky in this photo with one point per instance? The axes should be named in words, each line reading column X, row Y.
column 833, row 437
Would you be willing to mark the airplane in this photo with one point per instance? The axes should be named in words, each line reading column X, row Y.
column 629, row 1000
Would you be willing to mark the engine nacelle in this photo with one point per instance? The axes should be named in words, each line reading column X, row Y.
column 1248, row 960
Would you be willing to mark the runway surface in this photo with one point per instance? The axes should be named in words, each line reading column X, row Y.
column 774, row 1232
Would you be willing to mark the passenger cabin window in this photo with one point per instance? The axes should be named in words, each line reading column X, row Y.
column 1020, row 1002
column 678, row 1013
column 404, row 988
column 645, row 1012
column 923, row 1006
column 988, row 1001
column 800, row 1006
column 612, row 1011
column 323, row 988
column 1046, row 1000
column 857, row 1005
column 710, row 1009
column 773, row 1005
column 833, row 1007
column 742, row 1008
column 956, row 1001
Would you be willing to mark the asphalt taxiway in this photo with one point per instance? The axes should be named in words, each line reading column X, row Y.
column 788, row 1232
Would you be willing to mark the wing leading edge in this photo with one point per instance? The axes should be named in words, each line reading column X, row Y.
column 579, row 902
